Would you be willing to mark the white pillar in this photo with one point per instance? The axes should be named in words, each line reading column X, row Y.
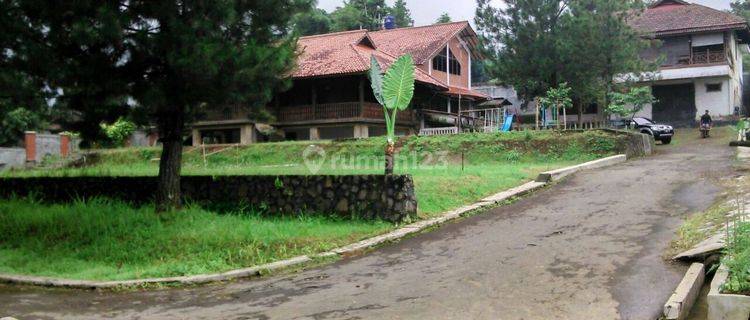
column 314, row 133
column 448, row 63
column 247, row 134
column 469, row 70
column 361, row 131
column 196, row 137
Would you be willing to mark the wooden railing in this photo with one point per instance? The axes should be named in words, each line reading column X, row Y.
column 337, row 111
column 704, row 57
column 709, row 57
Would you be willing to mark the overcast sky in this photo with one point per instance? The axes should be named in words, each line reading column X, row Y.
column 427, row 11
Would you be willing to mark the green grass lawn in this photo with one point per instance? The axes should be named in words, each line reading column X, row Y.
column 108, row 240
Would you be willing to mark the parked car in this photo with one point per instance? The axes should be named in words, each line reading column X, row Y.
column 660, row 132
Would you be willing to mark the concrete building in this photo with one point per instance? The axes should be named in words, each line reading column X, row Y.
column 701, row 51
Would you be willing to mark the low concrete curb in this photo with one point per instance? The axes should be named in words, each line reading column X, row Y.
column 300, row 260
column 679, row 304
column 722, row 306
column 704, row 248
column 558, row 174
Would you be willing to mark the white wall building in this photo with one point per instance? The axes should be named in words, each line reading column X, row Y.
column 701, row 51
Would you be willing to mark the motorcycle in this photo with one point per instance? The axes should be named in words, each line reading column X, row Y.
column 705, row 130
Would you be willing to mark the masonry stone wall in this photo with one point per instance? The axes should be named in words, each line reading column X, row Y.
column 634, row 144
column 349, row 196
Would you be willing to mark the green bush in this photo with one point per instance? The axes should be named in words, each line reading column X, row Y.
column 601, row 143
column 118, row 131
column 737, row 259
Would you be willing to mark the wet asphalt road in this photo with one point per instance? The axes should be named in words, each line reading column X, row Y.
column 590, row 247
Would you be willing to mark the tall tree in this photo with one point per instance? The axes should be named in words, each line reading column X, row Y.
column 312, row 22
column 585, row 43
column 614, row 47
column 360, row 14
column 401, row 14
column 741, row 8
column 170, row 59
column 521, row 43
column 23, row 98
column 443, row 18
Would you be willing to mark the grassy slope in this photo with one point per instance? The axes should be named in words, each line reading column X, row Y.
column 110, row 240
column 492, row 162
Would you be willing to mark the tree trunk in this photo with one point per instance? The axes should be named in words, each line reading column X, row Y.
column 168, row 195
column 390, row 149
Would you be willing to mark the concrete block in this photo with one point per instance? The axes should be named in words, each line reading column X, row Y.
column 704, row 249
column 743, row 153
column 726, row 306
column 558, row 174
column 679, row 304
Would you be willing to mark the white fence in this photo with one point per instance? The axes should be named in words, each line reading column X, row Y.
column 438, row 131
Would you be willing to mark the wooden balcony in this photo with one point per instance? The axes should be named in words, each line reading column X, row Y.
column 703, row 57
column 337, row 112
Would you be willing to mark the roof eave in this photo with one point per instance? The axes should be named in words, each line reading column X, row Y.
column 677, row 32
column 472, row 39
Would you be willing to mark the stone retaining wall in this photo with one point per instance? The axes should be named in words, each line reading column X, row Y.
column 351, row 196
column 635, row 144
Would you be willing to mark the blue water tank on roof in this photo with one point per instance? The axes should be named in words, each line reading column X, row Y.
column 389, row 22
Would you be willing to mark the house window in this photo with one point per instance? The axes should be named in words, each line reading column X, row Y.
column 439, row 63
column 713, row 87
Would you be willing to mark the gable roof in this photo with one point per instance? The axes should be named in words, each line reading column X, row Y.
column 421, row 42
column 330, row 54
column 675, row 17
column 349, row 52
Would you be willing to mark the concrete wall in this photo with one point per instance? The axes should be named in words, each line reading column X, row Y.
column 354, row 196
column 140, row 139
column 47, row 145
column 12, row 158
column 718, row 103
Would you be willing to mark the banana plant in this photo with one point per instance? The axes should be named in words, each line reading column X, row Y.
column 742, row 128
column 394, row 92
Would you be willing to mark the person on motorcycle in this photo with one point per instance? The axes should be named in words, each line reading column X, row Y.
column 706, row 123
column 706, row 119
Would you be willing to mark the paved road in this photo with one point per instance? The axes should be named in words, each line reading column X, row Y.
column 588, row 248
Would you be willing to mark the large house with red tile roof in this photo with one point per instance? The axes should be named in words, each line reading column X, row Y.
column 331, row 95
column 700, row 50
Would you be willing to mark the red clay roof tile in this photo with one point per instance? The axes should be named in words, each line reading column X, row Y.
column 346, row 52
column 420, row 42
column 671, row 17
column 330, row 54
